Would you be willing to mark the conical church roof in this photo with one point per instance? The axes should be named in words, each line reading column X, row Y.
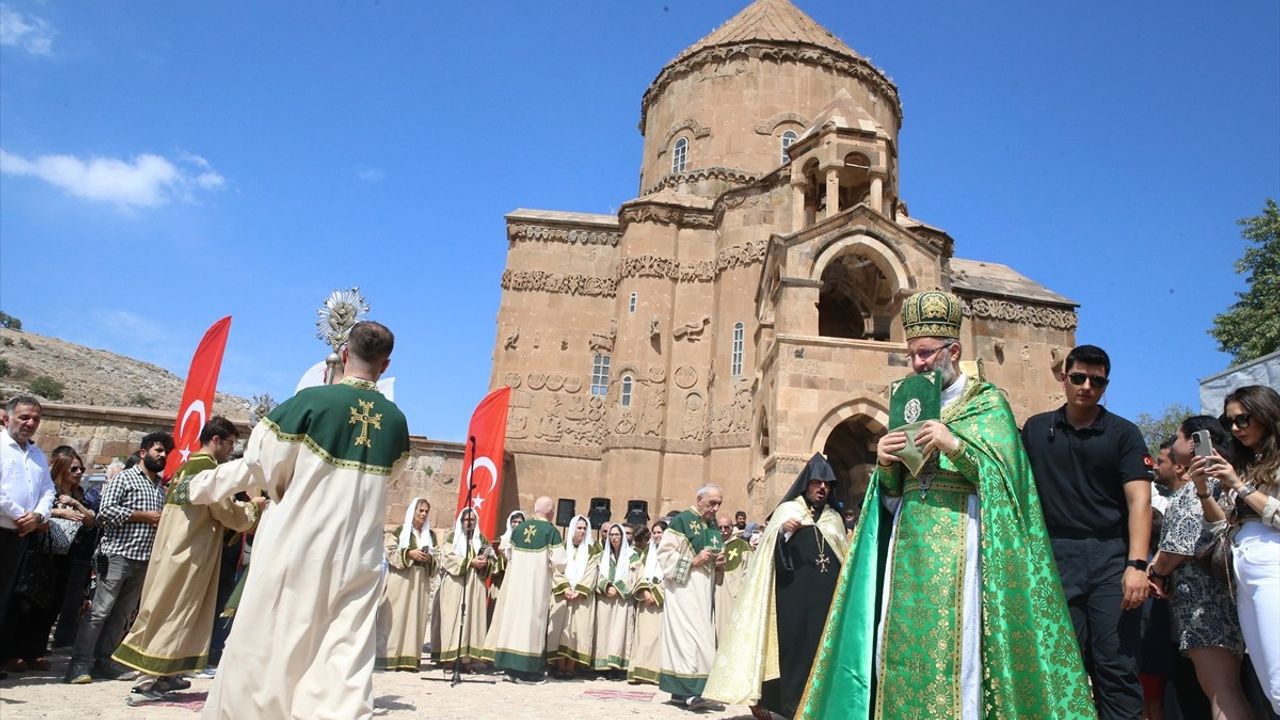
column 771, row 21
column 843, row 112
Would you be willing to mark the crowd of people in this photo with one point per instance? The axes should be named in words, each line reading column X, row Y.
column 1035, row 571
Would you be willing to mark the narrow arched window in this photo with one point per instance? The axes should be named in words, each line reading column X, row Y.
column 679, row 155
column 627, row 383
column 631, row 304
column 735, row 358
column 788, row 137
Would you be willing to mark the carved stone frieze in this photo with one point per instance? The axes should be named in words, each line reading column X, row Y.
column 730, row 440
column 718, row 55
column 603, row 342
column 693, row 424
column 573, row 236
column 1042, row 316
column 686, row 376
column 511, row 379
column 573, row 383
column 693, row 126
column 554, row 449
column 512, row 337
column 729, row 175
column 571, row 284
column 634, row 442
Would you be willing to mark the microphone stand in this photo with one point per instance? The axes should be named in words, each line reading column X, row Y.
column 467, row 572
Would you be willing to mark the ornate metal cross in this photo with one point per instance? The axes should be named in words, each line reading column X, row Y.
column 364, row 417
column 822, row 562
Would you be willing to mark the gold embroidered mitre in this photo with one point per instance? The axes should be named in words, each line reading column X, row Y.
column 932, row 313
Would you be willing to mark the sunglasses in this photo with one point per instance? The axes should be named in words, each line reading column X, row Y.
column 1240, row 421
column 80, row 469
column 1097, row 381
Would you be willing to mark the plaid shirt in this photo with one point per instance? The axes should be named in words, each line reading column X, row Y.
column 129, row 491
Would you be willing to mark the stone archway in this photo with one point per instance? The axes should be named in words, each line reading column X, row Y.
column 850, row 448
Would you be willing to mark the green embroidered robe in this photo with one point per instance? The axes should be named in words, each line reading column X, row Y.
column 1031, row 665
column 517, row 638
column 688, row 627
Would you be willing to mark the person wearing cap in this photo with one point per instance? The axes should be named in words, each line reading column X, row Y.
column 970, row 618
column 765, row 661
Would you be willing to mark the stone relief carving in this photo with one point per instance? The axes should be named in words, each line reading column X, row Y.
column 537, row 340
column 1026, row 314
column 540, row 281
column 555, row 381
column 511, row 379
column 772, row 123
column 738, row 256
column 564, row 344
column 693, row 425
column 603, row 342
column 698, row 129
column 655, row 326
column 573, row 236
column 572, row 384
column 657, row 374
column 736, row 416
column 686, row 376
column 691, row 331
column 513, row 336
column 654, row 412
column 549, row 422
column 729, row 175
column 537, row 380
column 626, row 424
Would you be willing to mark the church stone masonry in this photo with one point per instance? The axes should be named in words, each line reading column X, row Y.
column 746, row 302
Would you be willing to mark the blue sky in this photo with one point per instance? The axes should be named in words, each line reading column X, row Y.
column 166, row 164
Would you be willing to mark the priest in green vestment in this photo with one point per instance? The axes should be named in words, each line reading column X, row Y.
column 949, row 604
column 687, row 555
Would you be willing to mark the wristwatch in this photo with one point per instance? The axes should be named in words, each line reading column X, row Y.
column 1139, row 564
column 1244, row 492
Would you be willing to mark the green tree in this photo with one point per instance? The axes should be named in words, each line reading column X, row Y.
column 1156, row 430
column 9, row 321
column 46, row 387
column 1251, row 327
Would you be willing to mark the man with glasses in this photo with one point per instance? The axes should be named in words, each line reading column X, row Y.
column 1094, row 475
column 947, row 604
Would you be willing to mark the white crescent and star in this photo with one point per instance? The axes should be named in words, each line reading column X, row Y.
column 485, row 463
column 198, row 408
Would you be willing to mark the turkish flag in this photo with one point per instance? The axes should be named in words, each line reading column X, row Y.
column 482, row 462
column 197, row 396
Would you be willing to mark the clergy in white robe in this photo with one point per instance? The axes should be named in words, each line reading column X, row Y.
column 731, row 570
column 688, row 554
column 303, row 642
column 646, row 644
column 517, row 638
column 615, row 612
column 571, row 628
column 457, row 627
column 406, row 594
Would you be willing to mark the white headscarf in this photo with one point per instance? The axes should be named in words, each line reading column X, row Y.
column 408, row 528
column 460, row 536
column 505, row 541
column 578, row 556
column 624, row 553
column 652, row 570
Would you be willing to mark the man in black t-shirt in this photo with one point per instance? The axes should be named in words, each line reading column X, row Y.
column 1093, row 473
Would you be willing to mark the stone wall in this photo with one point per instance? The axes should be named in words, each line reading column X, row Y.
column 103, row 434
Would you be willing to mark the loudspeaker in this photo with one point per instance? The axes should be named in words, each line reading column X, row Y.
column 601, row 511
column 637, row 512
column 566, row 508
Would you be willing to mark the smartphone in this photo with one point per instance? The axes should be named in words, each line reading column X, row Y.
column 1203, row 445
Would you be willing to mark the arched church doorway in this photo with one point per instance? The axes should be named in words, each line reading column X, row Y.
column 855, row 300
column 851, row 450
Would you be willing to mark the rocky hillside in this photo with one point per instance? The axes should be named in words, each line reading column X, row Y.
column 64, row 372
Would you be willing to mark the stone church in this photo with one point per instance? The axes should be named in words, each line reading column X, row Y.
column 741, row 313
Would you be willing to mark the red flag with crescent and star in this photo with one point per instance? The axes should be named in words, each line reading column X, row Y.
column 197, row 396
column 482, row 463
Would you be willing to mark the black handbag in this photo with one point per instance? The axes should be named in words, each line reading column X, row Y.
column 36, row 578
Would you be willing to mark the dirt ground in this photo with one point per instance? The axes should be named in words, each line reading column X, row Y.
column 43, row 695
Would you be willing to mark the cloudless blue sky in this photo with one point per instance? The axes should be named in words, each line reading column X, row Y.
column 1103, row 149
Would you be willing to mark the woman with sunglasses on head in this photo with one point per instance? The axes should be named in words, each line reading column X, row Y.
column 30, row 617
column 1253, row 415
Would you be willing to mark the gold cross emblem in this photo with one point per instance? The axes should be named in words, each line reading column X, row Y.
column 529, row 532
column 364, row 417
column 733, row 553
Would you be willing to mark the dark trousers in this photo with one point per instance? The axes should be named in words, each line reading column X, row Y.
column 114, row 603
column 1092, row 571
column 72, row 602
column 12, row 548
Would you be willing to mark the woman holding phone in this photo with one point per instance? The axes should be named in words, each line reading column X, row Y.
column 1204, row 616
column 1253, row 522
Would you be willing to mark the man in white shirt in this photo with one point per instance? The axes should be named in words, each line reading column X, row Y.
column 26, row 490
